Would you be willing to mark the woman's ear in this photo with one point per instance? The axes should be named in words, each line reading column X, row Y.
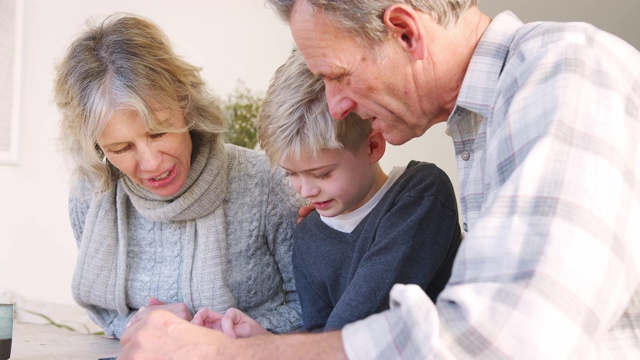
column 404, row 24
column 377, row 146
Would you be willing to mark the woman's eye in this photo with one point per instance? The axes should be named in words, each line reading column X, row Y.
column 158, row 135
column 121, row 151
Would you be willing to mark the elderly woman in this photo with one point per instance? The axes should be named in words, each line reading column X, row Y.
column 164, row 214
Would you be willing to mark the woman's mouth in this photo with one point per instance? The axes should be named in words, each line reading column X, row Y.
column 163, row 176
column 162, row 179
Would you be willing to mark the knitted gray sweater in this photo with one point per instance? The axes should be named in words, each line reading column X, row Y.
column 260, row 210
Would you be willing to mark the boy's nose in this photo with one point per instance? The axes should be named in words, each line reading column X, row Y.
column 308, row 189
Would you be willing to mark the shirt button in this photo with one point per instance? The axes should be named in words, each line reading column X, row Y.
column 464, row 226
column 465, row 155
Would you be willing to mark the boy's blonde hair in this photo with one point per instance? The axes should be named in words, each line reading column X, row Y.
column 295, row 120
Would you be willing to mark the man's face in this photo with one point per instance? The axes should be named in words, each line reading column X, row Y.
column 380, row 89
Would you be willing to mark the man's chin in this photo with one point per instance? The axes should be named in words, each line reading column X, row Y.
column 395, row 139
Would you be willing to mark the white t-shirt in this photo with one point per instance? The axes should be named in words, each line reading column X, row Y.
column 347, row 222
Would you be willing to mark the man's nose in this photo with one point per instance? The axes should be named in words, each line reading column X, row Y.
column 340, row 105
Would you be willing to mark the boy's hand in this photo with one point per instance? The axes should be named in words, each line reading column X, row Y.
column 304, row 211
column 234, row 323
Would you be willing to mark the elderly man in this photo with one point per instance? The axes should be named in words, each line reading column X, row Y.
column 545, row 119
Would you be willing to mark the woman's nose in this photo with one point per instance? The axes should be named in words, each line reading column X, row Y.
column 148, row 158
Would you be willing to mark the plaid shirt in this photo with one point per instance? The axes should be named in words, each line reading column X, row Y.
column 546, row 130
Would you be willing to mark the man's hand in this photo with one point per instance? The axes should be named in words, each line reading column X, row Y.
column 162, row 335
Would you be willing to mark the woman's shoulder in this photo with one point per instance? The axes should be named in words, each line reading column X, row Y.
column 81, row 190
column 251, row 171
column 248, row 169
column 248, row 160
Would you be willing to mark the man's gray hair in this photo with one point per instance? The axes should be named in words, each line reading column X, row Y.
column 363, row 18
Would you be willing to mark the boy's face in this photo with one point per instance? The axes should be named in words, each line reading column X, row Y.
column 336, row 182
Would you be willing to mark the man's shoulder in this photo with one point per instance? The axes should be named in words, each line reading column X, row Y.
column 541, row 37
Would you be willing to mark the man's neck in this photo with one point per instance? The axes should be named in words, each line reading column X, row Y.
column 457, row 46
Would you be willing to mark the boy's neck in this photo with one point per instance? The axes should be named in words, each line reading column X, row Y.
column 379, row 178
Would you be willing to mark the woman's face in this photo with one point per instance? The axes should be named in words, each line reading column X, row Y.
column 159, row 162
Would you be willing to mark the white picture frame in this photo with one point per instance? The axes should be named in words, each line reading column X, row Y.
column 11, row 31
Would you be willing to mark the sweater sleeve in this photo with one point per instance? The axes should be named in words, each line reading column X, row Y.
column 112, row 323
column 415, row 242
column 109, row 320
column 78, row 207
column 282, row 211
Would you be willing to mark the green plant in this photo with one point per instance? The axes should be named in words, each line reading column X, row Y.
column 242, row 108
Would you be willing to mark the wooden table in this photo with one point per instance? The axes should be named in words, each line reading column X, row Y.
column 36, row 342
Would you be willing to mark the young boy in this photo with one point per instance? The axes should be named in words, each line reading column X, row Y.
column 370, row 230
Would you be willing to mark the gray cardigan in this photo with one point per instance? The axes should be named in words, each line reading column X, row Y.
column 260, row 208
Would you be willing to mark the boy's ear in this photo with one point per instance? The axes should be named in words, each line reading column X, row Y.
column 404, row 24
column 377, row 145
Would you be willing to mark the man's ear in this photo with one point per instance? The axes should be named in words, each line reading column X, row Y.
column 404, row 25
column 377, row 146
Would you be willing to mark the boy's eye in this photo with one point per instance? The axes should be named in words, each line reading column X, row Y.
column 322, row 176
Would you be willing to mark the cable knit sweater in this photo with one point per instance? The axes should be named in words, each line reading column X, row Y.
column 260, row 209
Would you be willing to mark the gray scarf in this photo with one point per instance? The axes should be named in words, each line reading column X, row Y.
column 99, row 278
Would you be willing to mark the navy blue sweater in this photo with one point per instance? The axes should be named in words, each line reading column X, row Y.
column 410, row 237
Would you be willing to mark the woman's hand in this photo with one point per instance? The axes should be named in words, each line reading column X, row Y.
column 234, row 323
column 178, row 309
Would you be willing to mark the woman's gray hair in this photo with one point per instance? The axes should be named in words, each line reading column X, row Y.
column 363, row 18
column 126, row 63
column 295, row 119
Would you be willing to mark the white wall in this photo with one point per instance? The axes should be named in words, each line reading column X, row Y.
column 230, row 39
